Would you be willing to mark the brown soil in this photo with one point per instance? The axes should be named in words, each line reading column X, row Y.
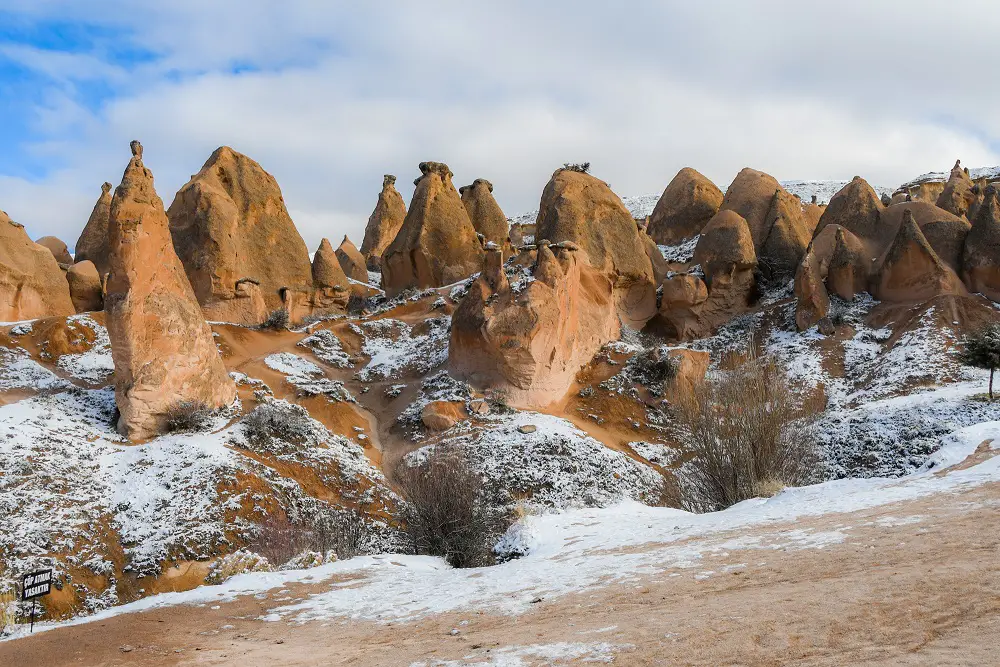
column 893, row 592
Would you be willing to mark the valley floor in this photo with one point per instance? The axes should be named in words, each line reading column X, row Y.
column 909, row 574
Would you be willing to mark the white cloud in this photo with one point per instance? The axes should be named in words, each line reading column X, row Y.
column 337, row 94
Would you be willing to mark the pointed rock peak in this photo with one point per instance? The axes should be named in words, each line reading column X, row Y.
column 326, row 268
column 346, row 242
column 352, row 261
column 856, row 208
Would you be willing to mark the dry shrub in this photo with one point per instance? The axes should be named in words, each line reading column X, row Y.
column 279, row 540
column 749, row 434
column 344, row 533
column 276, row 321
column 7, row 614
column 448, row 512
column 186, row 416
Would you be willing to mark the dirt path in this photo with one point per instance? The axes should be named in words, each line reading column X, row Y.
column 914, row 583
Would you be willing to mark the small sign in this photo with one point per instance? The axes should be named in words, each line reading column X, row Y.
column 36, row 584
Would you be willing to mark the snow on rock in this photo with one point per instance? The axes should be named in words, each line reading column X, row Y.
column 823, row 190
column 94, row 365
column 396, row 348
column 325, row 345
column 307, row 377
column 555, row 466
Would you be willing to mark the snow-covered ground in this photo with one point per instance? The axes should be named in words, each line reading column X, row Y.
column 583, row 549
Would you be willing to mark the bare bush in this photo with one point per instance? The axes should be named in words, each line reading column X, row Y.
column 654, row 369
column 749, row 434
column 187, row 416
column 279, row 540
column 448, row 512
column 276, row 321
column 287, row 422
column 343, row 533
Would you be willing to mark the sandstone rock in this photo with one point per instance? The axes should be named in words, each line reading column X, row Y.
column 532, row 343
column 93, row 242
column 858, row 209
column 31, row 282
column 484, row 212
column 442, row 415
column 825, row 326
column 660, row 266
column 812, row 299
column 958, row 195
column 163, row 349
column 229, row 223
column 687, row 204
column 947, row 238
column 847, row 271
column 85, row 287
column 981, row 256
column 750, row 195
column 527, row 428
column 788, row 236
column 383, row 223
column 725, row 246
column 327, row 271
column 437, row 243
column 352, row 261
column 246, row 307
column 479, row 407
column 57, row 248
column 679, row 306
column 811, row 214
column 580, row 208
column 912, row 271
column 692, row 365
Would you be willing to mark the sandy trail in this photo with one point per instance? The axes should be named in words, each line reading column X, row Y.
column 914, row 583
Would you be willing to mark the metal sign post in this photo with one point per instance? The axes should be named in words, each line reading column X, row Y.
column 34, row 586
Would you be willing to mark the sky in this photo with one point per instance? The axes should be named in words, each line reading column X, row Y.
column 329, row 96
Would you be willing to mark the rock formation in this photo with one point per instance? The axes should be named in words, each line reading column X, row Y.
column 85, row 287
column 327, row 271
column 531, row 343
column 352, row 261
column 847, row 269
column 685, row 207
column 581, row 209
column 788, row 236
column 725, row 247
column 812, row 299
column 683, row 294
column 384, row 223
column 958, row 195
column 945, row 231
column 57, row 248
column 163, row 350
column 93, row 242
column 437, row 244
column 485, row 213
column 31, row 282
column 857, row 209
column 911, row 270
column 750, row 195
column 981, row 256
column 229, row 224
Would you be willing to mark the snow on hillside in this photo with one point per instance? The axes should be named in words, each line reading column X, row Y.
column 583, row 549
column 975, row 173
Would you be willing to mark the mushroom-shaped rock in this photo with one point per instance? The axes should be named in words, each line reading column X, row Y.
column 228, row 223
column 857, row 209
column 848, row 266
column 85, row 287
column 327, row 271
column 812, row 299
column 687, row 204
column 751, row 195
column 93, row 241
column 911, row 270
column 352, row 261
column 958, row 196
column 580, row 208
column 725, row 246
column 532, row 343
column 437, row 244
column 57, row 248
column 383, row 223
column 484, row 211
column 31, row 282
column 981, row 257
column 163, row 350
column 787, row 238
